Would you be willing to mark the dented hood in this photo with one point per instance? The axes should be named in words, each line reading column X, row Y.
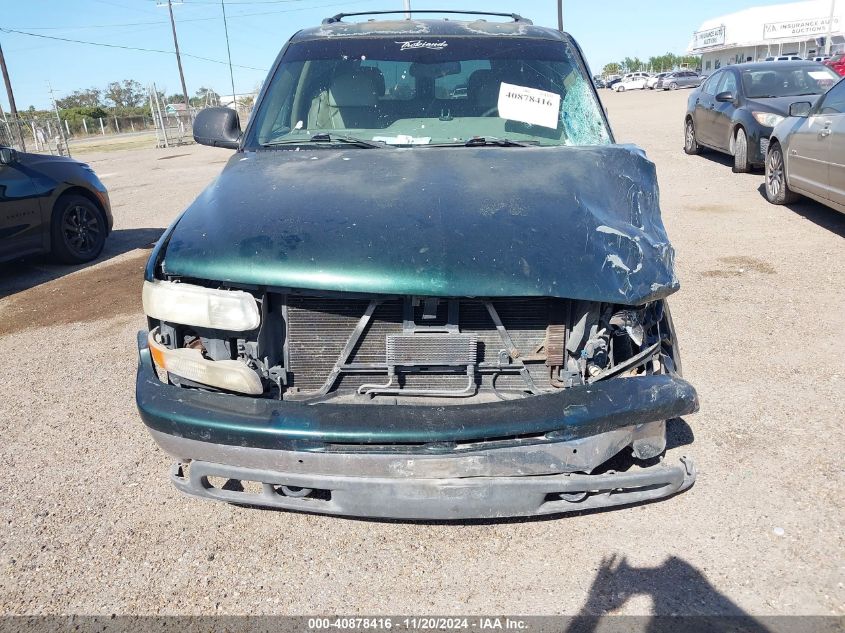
column 575, row 222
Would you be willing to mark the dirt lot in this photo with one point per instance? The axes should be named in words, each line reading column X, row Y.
column 90, row 523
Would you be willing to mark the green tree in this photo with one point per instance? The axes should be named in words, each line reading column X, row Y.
column 611, row 69
column 126, row 94
column 631, row 64
column 87, row 98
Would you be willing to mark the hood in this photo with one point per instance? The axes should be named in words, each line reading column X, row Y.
column 570, row 222
column 778, row 105
column 46, row 159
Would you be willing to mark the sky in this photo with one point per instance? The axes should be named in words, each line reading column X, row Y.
column 607, row 30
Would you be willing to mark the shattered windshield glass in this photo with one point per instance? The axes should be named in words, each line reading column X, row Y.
column 429, row 91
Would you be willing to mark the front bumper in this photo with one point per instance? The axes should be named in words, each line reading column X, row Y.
column 516, row 458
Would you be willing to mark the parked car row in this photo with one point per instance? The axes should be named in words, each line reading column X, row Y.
column 642, row 80
column 788, row 117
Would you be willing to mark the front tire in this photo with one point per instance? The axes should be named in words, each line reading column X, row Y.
column 741, row 165
column 78, row 230
column 691, row 145
column 673, row 86
column 777, row 191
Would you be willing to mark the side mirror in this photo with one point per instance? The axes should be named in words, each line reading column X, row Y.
column 217, row 127
column 726, row 97
column 800, row 109
column 8, row 156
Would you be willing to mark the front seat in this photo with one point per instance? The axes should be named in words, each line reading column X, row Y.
column 352, row 101
column 483, row 91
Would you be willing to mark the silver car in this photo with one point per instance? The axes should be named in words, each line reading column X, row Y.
column 806, row 152
column 680, row 79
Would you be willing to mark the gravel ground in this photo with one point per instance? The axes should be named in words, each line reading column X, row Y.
column 91, row 525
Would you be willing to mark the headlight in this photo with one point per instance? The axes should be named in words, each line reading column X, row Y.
column 231, row 375
column 186, row 304
column 767, row 119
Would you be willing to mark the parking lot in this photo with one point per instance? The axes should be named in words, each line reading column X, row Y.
column 92, row 525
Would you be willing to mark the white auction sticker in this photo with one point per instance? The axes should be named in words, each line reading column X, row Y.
column 529, row 105
column 819, row 74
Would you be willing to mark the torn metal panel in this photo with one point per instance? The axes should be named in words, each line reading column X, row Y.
column 569, row 222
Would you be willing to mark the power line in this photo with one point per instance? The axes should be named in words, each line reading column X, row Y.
column 233, row 3
column 179, row 59
column 128, row 48
column 228, row 51
column 185, row 20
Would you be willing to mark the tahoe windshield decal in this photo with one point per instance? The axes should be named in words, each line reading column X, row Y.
column 415, row 44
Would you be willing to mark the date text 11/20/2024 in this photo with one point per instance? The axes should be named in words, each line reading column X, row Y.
column 418, row 624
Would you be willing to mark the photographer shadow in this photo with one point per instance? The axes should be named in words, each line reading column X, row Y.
column 682, row 599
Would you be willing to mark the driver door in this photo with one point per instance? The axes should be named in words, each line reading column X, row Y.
column 834, row 108
column 809, row 153
column 705, row 104
column 20, row 213
column 723, row 112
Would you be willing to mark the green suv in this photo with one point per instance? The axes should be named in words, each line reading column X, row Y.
column 427, row 285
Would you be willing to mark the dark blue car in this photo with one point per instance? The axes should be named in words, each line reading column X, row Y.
column 735, row 110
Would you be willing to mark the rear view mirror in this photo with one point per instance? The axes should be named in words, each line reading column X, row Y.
column 419, row 70
column 800, row 109
column 8, row 156
column 218, row 127
column 726, row 97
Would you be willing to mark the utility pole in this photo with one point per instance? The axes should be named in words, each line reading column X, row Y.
column 560, row 15
column 59, row 119
column 407, row 9
column 179, row 58
column 830, row 28
column 229, row 53
column 11, row 95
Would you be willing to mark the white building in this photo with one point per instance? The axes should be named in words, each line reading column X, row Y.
column 797, row 28
column 247, row 97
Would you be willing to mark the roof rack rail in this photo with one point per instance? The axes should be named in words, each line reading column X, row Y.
column 514, row 16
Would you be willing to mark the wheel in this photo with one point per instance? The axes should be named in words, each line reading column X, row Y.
column 691, row 145
column 777, row 191
column 740, row 151
column 620, row 89
column 78, row 230
column 673, row 86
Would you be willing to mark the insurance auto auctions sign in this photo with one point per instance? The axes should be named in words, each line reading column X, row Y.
column 710, row 37
column 799, row 28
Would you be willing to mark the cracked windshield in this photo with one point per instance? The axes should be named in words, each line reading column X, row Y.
column 443, row 91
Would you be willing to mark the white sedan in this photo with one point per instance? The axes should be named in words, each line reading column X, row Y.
column 632, row 83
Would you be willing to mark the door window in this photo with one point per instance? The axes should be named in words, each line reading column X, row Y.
column 709, row 87
column 728, row 83
column 834, row 101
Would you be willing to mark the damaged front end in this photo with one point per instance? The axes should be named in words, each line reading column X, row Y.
column 413, row 407
column 369, row 348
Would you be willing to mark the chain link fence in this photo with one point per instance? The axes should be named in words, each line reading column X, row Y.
column 45, row 134
column 41, row 133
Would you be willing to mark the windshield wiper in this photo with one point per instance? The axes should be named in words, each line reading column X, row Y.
column 481, row 141
column 325, row 137
column 492, row 140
